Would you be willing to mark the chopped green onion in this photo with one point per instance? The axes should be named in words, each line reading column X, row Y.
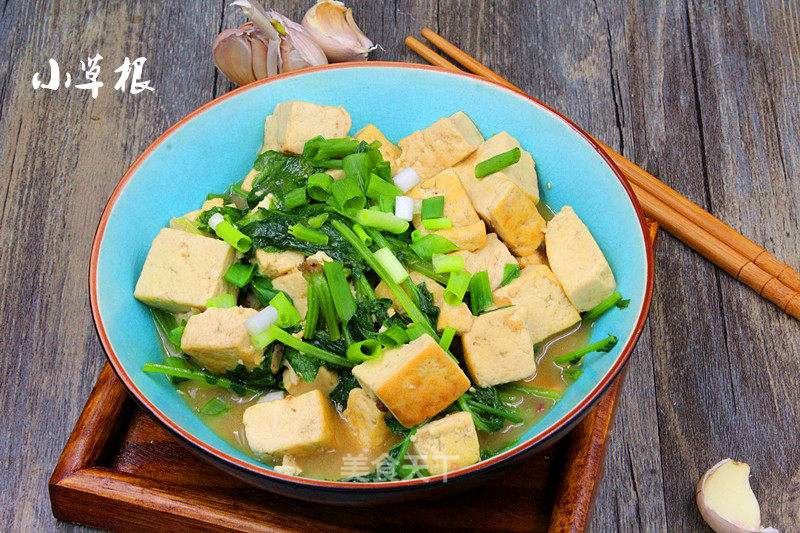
column 457, row 287
column 447, row 338
column 212, row 196
column 357, row 168
column 188, row 225
column 402, row 297
column 432, row 207
column 378, row 187
column 287, row 314
column 197, row 375
column 510, row 273
column 364, row 350
column 263, row 339
column 364, row 290
column 432, row 244
column 575, row 357
column 175, row 335
column 480, row 292
column 386, row 204
column 433, row 224
column 602, row 307
column 223, row 300
column 319, row 186
column 317, row 221
column 447, row 263
column 262, row 287
column 312, row 313
column 309, row 349
column 347, row 195
column 239, row 274
column 366, row 239
column 340, row 291
column 320, row 148
column 416, row 235
column 390, row 263
column 382, row 221
column 393, row 336
column 328, row 163
column 214, row 407
column 303, row 233
column 230, row 234
column 497, row 163
column 295, row 198
column 415, row 331
column 427, row 270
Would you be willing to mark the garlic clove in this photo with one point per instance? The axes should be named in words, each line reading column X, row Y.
column 727, row 502
column 233, row 55
column 333, row 28
column 298, row 49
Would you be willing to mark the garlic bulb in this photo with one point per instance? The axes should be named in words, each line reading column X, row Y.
column 727, row 502
column 241, row 54
column 331, row 25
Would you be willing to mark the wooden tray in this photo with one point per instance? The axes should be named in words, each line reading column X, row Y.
column 120, row 471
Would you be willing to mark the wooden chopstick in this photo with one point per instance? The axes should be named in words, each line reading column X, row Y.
column 709, row 236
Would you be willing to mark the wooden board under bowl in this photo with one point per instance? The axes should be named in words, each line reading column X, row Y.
column 121, row 471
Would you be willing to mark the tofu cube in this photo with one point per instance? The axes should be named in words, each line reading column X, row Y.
column 538, row 257
column 493, row 258
column 523, row 172
column 539, row 292
column 468, row 231
column 365, row 420
column 388, row 150
column 510, row 212
column 458, row 317
column 296, row 425
column 293, row 123
column 577, row 261
column 218, row 340
column 446, row 444
column 498, row 348
column 439, row 146
column 183, row 270
column 414, row 381
column 274, row 264
column 247, row 183
column 295, row 285
column 325, row 381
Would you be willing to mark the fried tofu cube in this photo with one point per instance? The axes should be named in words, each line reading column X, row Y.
column 218, row 340
column 457, row 317
column 293, row 123
column 447, row 444
column 439, row 146
column 577, row 261
column 325, row 381
column 296, row 425
column 365, row 420
column 510, row 212
column 538, row 257
column 388, row 150
column 539, row 292
column 295, row 285
column 414, row 381
column 247, row 183
column 493, row 258
column 523, row 172
column 183, row 270
column 498, row 348
column 274, row 264
column 468, row 231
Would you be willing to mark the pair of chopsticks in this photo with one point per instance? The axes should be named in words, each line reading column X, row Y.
column 710, row 237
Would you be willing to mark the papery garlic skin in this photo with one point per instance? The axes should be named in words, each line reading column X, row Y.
column 298, row 49
column 727, row 502
column 333, row 28
column 240, row 54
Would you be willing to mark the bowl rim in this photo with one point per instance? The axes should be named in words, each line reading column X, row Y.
column 235, row 464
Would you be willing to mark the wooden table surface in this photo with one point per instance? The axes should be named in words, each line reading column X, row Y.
column 704, row 96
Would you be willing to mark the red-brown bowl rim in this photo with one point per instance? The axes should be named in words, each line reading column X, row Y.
column 554, row 428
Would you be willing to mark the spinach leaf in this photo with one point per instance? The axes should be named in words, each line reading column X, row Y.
column 306, row 367
column 394, row 466
column 339, row 395
column 485, row 421
column 396, row 427
column 278, row 174
column 426, row 304
column 260, row 378
column 368, row 318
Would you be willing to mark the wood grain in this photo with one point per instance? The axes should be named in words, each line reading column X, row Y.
column 702, row 95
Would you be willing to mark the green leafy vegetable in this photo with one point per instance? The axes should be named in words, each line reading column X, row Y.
column 305, row 366
column 278, row 174
column 510, row 273
column 339, row 395
column 615, row 300
column 214, row 407
column 575, row 357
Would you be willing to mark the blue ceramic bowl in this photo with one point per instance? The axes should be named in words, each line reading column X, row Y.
column 216, row 145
